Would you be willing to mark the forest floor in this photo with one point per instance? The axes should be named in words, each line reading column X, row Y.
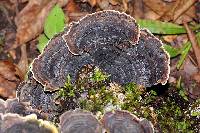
column 174, row 107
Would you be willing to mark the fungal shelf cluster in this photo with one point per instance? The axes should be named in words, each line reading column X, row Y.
column 108, row 40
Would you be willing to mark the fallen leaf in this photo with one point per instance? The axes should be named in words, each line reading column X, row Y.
column 71, row 7
column 169, row 38
column 175, row 10
column 158, row 6
column 23, row 62
column 91, row 2
column 187, row 4
column 10, row 77
column 103, row 4
column 30, row 21
column 138, row 9
column 196, row 77
column 114, row 2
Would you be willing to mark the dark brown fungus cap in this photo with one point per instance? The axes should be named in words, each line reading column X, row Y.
column 15, row 107
column 13, row 123
column 146, row 63
column 100, row 29
column 104, row 39
column 56, row 62
column 79, row 121
column 33, row 93
column 124, row 122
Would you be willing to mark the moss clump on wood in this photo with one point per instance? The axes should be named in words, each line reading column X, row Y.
column 95, row 93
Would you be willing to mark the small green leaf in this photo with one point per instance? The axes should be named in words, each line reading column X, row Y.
column 173, row 52
column 43, row 40
column 184, row 52
column 55, row 22
column 159, row 27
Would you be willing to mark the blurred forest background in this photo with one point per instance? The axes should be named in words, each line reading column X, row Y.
column 27, row 25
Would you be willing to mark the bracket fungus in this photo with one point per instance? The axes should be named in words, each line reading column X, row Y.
column 79, row 121
column 109, row 40
column 113, row 122
column 125, row 122
column 13, row 123
column 14, row 106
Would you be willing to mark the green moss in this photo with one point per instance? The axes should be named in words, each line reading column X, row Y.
column 97, row 94
column 67, row 90
column 172, row 118
column 99, row 76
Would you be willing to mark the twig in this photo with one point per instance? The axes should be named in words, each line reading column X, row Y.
column 185, row 7
column 194, row 42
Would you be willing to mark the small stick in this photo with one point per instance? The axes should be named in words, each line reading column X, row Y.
column 194, row 42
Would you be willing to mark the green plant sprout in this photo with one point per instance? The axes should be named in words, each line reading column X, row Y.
column 67, row 90
column 99, row 76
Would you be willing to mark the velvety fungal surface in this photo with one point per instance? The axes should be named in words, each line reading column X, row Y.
column 27, row 127
column 33, row 93
column 56, row 62
column 145, row 63
column 101, row 29
column 79, row 121
column 124, row 122
column 104, row 39
column 13, row 123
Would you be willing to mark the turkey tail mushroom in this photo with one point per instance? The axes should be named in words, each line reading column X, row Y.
column 13, row 123
column 79, row 121
column 125, row 122
column 109, row 40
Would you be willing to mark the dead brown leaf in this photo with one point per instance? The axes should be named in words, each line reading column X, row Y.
column 172, row 11
column 183, row 8
column 114, row 2
column 91, row 2
column 10, row 77
column 196, row 77
column 158, row 6
column 71, row 7
column 103, row 4
column 138, row 9
column 30, row 21
column 169, row 38
column 23, row 63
